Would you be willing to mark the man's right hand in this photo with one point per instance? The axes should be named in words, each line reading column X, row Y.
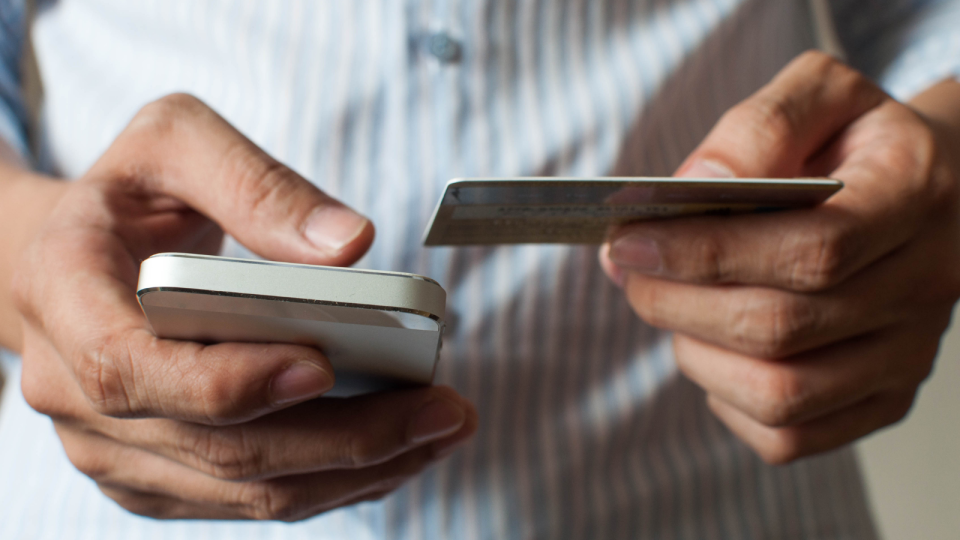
column 183, row 430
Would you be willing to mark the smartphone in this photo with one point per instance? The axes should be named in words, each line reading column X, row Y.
column 378, row 329
column 490, row 211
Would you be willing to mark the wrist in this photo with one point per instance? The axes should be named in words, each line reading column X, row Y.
column 26, row 200
column 939, row 105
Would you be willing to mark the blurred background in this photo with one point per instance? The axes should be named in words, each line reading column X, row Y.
column 913, row 469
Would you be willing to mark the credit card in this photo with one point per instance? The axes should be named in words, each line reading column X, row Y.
column 490, row 211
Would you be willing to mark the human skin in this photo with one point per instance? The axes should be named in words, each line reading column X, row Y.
column 811, row 328
column 179, row 430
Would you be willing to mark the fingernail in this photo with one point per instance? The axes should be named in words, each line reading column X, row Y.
column 636, row 252
column 436, row 419
column 299, row 382
column 707, row 168
column 331, row 228
column 614, row 272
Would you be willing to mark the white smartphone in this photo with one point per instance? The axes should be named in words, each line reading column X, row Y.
column 490, row 211
column 378, row 329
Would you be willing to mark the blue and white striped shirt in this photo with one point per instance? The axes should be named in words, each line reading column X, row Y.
column 587, row 429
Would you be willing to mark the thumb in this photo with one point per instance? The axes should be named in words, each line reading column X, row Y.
column 180, row 147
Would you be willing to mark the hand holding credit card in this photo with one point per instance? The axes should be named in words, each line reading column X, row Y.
column 488, row 211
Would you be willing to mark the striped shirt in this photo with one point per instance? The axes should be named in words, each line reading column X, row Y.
column 587, row 430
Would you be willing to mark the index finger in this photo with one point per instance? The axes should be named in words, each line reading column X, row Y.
column 818, row 114
column 180, row 147
column 78, row 287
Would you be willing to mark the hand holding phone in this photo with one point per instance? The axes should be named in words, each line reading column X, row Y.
column 378, row 329
column 180, row 429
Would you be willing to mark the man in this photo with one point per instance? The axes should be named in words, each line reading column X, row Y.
column 558, row 413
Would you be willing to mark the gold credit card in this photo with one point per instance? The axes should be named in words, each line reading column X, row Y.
column 489, row 211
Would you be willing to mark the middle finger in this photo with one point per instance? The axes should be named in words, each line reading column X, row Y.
column 125, row 469
column 775, row 323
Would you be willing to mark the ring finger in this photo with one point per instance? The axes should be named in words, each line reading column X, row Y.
column 152, row 483
column 798, row 389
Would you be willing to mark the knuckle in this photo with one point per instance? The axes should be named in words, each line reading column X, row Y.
column 153, row 128
column 780, row 397
column 358, row 450
column 911, row 153
column 770, row 120
column 783, row 446
column 710, row 260
column 36, row 390
column 87, row 462
column 34, row 394
column 271, row 501
column 25, row 287
column 260, row 182
column 163, row 116
column 178, row 103
column 227, row 454
column 774, row 325
column 20, row 291
column 219, row 399
column 775, row 118
column 942, row 182
column 815, row 59
column 925, row 148
column 213, row 398
column 921, row 161
column 821, row 66
column 139, row 504
column 818, row 260
column 102, row 380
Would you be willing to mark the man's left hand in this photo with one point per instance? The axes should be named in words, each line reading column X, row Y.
column 810, row 328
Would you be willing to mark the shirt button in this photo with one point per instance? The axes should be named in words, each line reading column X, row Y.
column 443, row 47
